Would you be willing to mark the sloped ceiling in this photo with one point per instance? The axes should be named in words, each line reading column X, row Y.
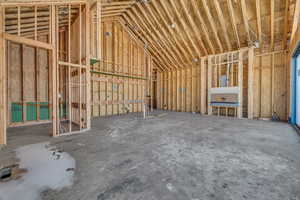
column 179, row 32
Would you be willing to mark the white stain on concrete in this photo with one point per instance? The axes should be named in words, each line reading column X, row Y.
column 47, row 169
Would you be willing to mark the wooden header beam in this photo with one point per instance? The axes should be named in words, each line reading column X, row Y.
column 26, row 41
column 41, row 3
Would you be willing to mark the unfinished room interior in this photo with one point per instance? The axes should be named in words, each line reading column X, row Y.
column 150, row 99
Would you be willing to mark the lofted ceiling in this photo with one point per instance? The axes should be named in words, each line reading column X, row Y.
column 179, row 32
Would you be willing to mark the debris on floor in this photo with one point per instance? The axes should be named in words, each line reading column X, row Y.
column 157, row 116
column 12, row 172
column 170, row 187
column 41, row 167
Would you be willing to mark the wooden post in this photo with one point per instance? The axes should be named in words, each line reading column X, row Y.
column 240, row 85
column 98, row 29
column 151, row 82
column 158, row 88
column 3, row 106
column 250, row 82
column 24, row 104
column 37, row 82
column 19, row 21
column 54, row 73
column 203, row 86
column 209, row 83
column 35, row 22
column 8, row 99
column 80, row 63
column 87, row 61
column 272, row 83
column 69, row 70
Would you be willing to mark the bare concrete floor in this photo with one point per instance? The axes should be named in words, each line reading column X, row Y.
column 179, row 156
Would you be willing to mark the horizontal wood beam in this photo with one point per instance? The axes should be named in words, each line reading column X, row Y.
column 41, row 3
column 72, row 64
column 26, row 41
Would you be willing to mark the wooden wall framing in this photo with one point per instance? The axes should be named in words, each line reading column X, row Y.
column 266, row 77
column 29, row 36
column 3, row 96
column 121, row 81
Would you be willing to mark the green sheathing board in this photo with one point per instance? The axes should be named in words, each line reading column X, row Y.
column 16, row 112
column 44, row 111
column 31, row 111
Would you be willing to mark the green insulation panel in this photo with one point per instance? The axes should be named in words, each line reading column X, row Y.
column 31, row 111
column 44, row 111
column 16, row 112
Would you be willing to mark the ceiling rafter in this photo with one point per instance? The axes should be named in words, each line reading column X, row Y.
column 245, row 19
column 119, row 7
column 185, row 27
column 153, row 38
column 272, row 24
column 212, row 24
column 172, row 32
column 233, row 22
column 223, row 23
column 150, row 42
column 158, row 35
column 116, row 3
column 193, row 25
column 180, row 31
column 203, row 27
column 110, row 15
column 192, row 53
column 114, row 8
column 153, row 16
column 157, row 66
column 169, row 15
column 154, row 53
column 113, row 11
column 286, row 24
column 258, row 16
column 296, row 19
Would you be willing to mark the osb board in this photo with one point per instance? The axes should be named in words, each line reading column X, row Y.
column 121, row 54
